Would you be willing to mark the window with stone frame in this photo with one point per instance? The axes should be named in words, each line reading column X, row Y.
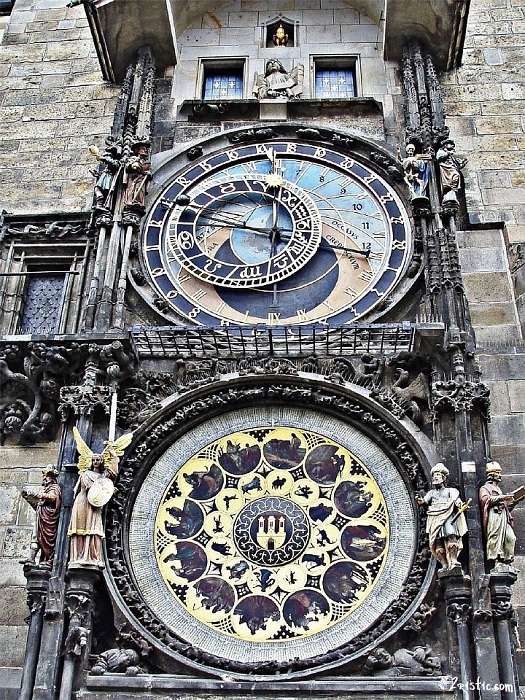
column 334, row 78
column 223, row 79
column 43, row 302
column 42, row 287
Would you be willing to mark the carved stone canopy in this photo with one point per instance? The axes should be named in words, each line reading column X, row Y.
column 440, row 23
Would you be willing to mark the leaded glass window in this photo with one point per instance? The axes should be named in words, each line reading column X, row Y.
column 338, row 83
column 43, row 303
column 223, row 86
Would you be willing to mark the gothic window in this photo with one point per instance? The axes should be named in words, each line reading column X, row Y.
column 42, row 284
column 43, row 302
column 223, row 80
column 335, row 79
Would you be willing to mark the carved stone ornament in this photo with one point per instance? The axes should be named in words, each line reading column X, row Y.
column 198, row 409
column 459, row 612
column 419, row 661
column 460, row 396
column 399, row 383
column 84, row 400
column 36, row 379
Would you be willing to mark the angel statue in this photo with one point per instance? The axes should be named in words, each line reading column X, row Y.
column 94, row 488
column 277, row 82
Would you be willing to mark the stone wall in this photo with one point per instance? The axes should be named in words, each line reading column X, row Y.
column 20, row 469
column 53, row 102
column 485, row 107
column 485, row 104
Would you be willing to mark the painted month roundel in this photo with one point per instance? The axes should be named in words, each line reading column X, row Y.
column 271, row 533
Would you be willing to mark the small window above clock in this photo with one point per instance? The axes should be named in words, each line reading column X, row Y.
column 223, row 79
column 334, row 78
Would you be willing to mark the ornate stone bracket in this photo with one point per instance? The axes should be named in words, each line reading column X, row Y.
column 36, row 376
column 460, row 396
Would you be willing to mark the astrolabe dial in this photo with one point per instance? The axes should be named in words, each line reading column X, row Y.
column 244, row 231
column 285, row 232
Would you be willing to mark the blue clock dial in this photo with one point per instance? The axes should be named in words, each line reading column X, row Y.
column 284, row 233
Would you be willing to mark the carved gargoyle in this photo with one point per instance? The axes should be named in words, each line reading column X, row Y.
column 419, row 661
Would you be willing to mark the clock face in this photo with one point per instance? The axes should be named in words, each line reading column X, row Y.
column 271, row 533
column 283, row 232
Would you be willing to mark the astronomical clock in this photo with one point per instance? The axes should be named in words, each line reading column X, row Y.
column 273, row 525
column 281, row 231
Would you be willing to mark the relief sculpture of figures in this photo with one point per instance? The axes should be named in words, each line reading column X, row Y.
column 415, row 167
column 93, row 490
column 46, row 503
column 446, row 523
column 450, row 167
column 277, row 82
column 498, row 524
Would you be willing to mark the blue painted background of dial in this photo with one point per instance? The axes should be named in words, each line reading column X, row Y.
column 305, row 289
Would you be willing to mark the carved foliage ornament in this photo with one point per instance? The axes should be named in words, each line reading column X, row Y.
column 460, row 396
column 33, row 376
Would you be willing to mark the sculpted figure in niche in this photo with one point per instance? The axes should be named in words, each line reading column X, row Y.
column 277, row 82
column 105, row 184
column 415, row 167
column 137, row 174
column 421, row 661
column 446, row 522
column 498, row 524
column 450, row 167
column 46, row 503
column 93, row 490
column 117, row 661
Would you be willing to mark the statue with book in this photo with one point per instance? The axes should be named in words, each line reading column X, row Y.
column 498, row 524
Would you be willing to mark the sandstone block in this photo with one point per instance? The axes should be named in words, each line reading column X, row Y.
column 516, row 234
column 477, row 260
column 16, row 542
column 498, row 335
column 493, row 314
column 13, row 641
column 500, row 125
column 487, row 287
column 243, row 19
column 499, row 398
column 505, row 429
column 230, row 37
column 13, row 607
column 318, row 17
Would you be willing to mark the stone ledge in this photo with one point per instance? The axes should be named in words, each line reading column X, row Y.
column 359, row 688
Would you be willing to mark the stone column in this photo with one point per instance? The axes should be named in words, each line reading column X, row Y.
column 459, row 610
column 37, row 587
column 502, row 614
column 79, row 605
